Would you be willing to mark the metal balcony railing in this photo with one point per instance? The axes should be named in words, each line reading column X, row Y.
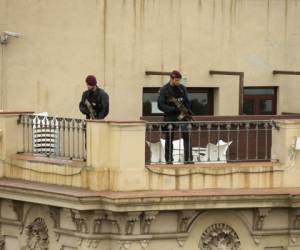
column 53, row 136
column 210, row 141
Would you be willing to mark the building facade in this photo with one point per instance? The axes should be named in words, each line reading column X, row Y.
column 72, row 184
column 61, row 42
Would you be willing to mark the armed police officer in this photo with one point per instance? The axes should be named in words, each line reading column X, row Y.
column 174, row 102
column 94, row 101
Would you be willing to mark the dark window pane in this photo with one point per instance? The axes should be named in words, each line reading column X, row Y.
column 201, row 101
column 266, row 107
column 249, row 107
column 259, row 91
column 260, row 100
column 150, row 104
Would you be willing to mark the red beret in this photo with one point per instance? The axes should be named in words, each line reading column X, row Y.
column 91, row 80
column 175, row 74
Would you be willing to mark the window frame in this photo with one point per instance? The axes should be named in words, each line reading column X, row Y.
column 258, row 98
column 208, row 90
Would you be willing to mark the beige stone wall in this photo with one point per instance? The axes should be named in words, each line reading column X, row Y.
column 63, row 41
column 116, row 161
column 72, row 229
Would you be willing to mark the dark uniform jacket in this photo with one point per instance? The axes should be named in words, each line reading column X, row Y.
column 171, row 112
column 99, row 101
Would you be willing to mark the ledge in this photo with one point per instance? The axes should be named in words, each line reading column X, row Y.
column 84, row 199
column 48, row 160
column 15, row 112
column 117, row 122
column 217, row 165
column 215, row 168
column 235, row 118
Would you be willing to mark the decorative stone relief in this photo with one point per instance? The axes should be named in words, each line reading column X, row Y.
column 124, row 245
column 184, row 218
column 259, row 217
column 79, row 241
column 257, row 238
column 132, row 218
column 97, row 227
column 79, row 221
column 55, row 216
column 220, row 237
column 297, row 222
column 115, row 221
column 57, row 236
column 296, row 219
column 93, row 243
column 148, row 217
column 18, row 208
column 180, row 242
column 293, row 239
column 144, row 243
column 2, row 243
column 37, row 235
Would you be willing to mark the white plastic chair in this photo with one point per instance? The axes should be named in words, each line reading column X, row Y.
column 212, row 153
column 44, row 138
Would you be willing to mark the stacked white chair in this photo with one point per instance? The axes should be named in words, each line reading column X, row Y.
column 45, row 134
column 212, row 153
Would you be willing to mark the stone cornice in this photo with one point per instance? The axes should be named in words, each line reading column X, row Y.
column 138, row 237
column 183, row 200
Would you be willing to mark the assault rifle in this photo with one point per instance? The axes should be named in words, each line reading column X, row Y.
column 185, row 113
column 92, row 112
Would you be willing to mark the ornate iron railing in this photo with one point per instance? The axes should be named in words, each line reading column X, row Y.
column 211, row 141
column 53, row 136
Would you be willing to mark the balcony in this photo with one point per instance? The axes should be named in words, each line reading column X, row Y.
column 210, row 141
column 228, row 152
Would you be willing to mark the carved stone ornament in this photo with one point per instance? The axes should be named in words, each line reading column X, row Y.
column 18, row 208
column 55, row 216
column 297, row 222
column 132, row 218
column 144, row 243
column 296, row 219
column 114, row 219
column 220, row 237
column 180, row 242
column 259, row 217
column 80, row 221
column 257, row 239
column 148, row 217
column 37, row 235
column 293, row 239
column 124, row 245
column 2, row 243
column 93, row 243
column 97, row 227
column 79, row 241
column 184, row 218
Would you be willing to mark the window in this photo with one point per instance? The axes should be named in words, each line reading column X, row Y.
column 260, row 100
column 201, row 101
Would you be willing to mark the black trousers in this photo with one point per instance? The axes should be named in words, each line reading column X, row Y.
column 187, row 145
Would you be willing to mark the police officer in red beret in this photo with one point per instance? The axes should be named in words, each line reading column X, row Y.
column 94, row 101
column 172, row 114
